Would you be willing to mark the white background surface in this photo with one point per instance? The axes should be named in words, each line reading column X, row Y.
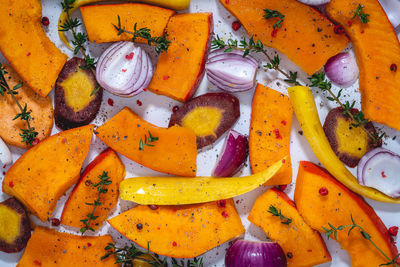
column 157, row 110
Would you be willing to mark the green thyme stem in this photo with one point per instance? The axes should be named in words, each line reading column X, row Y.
column 278, row 213
column 104, row 180
column 333, row 230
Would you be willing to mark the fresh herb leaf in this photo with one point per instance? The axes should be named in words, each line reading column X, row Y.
column 334, row 230
column 161, row 42
column 104, row 180
column 95, row 90
column 269, row 13
column 276, row 212
column 358, row 12
column 147, row 141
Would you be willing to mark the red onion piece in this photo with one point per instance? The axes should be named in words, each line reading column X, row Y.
column 248, row 253
column 379, row 169
column 234, row 154
column 230, row 71
column 342, row 69
column 5, row 154
column 314, row 2
column 124, row 69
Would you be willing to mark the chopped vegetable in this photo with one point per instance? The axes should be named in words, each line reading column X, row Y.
column 15, row 228
column 230, row 71
column 306, row 112
column 342, row 69
column 269, row 138
column 50, row 248
column 5, row 154
column 306, row 37
column 250, row 253
column 380, row 169
column 233, row 156
column 379, row 85
column 276, row 214
column 350, row 143
column 174, row 151
column 314, row 2
column 26, row 46
column 46, row 171
column 100, row 21
column 124, row 69
column 342, row 207
column 86, row 191
column 183, row 231
column 209, row 116
column 179, row 191
column 180, row 70
column 39, row 112
column 77, row 95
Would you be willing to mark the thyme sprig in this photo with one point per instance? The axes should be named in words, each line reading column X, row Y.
column 104, row 180
column 332, row 230
column 319, row 80
column 276, row 212
column 80, row 39
column 252, row 46
column 147, row 141
column 358, row 12
column 127, row 254
column 270, row 13
column 161, row 42
column 28, row 135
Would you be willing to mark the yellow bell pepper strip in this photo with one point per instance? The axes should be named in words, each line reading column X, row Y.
column 306, row 112
column 173, row 4
column 184, row 190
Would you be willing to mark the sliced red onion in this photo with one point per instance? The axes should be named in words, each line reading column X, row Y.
column 124, row 69
column 248, row 253
column 379, row 169
column 314, row 2
column 234, row 154
column 5, row 154
column 342, row 69
column 230, row 71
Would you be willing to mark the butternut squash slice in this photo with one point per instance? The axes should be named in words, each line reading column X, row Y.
column 174, row 152
column 269, row 138
column 99, row 20
column 320, row 199
column 76, row 209
column 42, row 112
column 41, row 175
column 50, row 248
column 306, row 36
column 187, row 231
column 304, row 245
column 377, row 49
column 180, row 70
column 26, row 47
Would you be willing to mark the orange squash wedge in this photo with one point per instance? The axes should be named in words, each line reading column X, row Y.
column 50, row 248
column 26, row 47
column 322, row 200
column 269, row 138
column 179, row 70
column 184, row 231
column 306, row 36
column 174, row 152
column 76, row 209
column 99, row 20
column 377, row 48
column 43, row 174
column 304, row 245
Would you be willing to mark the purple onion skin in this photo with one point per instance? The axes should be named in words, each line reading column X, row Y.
column 233, row 156
column 342, row 69
column 245, row 253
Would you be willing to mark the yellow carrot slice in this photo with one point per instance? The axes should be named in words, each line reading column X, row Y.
column 182, row 190
column 306, row 112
